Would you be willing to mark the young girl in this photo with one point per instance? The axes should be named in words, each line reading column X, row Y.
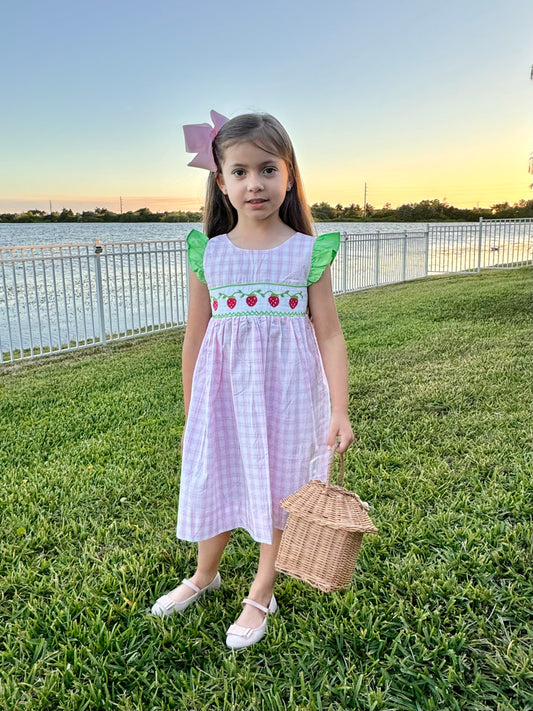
column 264, row 360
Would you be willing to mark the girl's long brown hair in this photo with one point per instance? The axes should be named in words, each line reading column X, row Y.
column 266, row 132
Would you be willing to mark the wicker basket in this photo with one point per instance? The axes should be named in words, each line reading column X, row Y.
column 324, row 531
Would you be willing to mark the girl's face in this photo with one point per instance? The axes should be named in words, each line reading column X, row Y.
column 256, row 182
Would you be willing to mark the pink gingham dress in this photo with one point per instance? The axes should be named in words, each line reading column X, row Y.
column 259, row 412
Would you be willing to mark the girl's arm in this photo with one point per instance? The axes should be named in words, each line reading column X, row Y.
column 333, row 351
column 197, row 320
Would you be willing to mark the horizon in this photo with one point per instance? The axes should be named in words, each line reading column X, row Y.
column 416, row 103
column 181, row 211
column 114, row 206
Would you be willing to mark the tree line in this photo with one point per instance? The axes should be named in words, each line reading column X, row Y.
column 102, row 214
column 424, row 211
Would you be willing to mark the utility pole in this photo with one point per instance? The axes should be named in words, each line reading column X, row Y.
column 121, row 204
column 364, row 203
column 50, row 206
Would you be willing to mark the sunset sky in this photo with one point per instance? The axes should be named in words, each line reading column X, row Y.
column 418, row 99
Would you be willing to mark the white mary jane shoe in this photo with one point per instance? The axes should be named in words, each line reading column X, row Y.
column 239, row 637
column 165, row 605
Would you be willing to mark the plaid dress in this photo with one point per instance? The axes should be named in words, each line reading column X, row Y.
column 259, row 413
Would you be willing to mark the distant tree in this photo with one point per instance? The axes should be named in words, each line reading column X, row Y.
column 385, row 213
column 104, row 212
column 404, row 213
column 146, row 215
column 322, row 211
column 352, row 211
column 500, row 208
column 523, row 208
column 66, row 216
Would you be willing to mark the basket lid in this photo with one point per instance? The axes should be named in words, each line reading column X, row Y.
column 331, row 506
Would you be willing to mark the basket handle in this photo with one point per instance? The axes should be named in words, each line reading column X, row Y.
column 330, row 465
column 364, row 504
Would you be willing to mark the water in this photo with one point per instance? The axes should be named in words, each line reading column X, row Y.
column 57, row 233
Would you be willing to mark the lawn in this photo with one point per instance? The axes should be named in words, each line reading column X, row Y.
column 440, row 613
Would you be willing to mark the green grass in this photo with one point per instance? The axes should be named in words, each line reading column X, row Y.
column 440, row 613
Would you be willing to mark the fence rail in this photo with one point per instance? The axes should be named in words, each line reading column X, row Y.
column 375, row 259
column 488, row 244
column 69, row 297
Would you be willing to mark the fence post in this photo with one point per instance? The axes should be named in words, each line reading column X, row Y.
column 8, row 319
column 426, row 265
column 99, row 290
column 480, row 240
column 344, row 263
column 378, row 239
column 404, row 258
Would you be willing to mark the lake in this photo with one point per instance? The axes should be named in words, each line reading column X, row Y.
column 33, row 234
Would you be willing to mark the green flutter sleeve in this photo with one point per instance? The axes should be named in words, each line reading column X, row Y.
column 196, row 244
column 324, row 252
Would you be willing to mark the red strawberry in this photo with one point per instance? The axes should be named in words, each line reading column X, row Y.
column 215, row 304
column 251, row 300
column 273, row 300
column 293, row 302
column 232, row 303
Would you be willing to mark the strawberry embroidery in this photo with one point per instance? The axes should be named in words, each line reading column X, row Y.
column 252, row 299
column 231, row 301
column 293, row 299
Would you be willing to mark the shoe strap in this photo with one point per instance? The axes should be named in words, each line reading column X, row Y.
column 253, row 603
column 191, row 585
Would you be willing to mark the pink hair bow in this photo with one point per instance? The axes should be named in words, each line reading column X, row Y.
column 199, row 139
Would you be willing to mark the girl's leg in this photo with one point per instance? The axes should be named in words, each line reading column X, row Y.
column 263, row 585
column 209, row 555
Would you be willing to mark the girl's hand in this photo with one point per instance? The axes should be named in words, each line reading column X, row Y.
column 340, row 427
